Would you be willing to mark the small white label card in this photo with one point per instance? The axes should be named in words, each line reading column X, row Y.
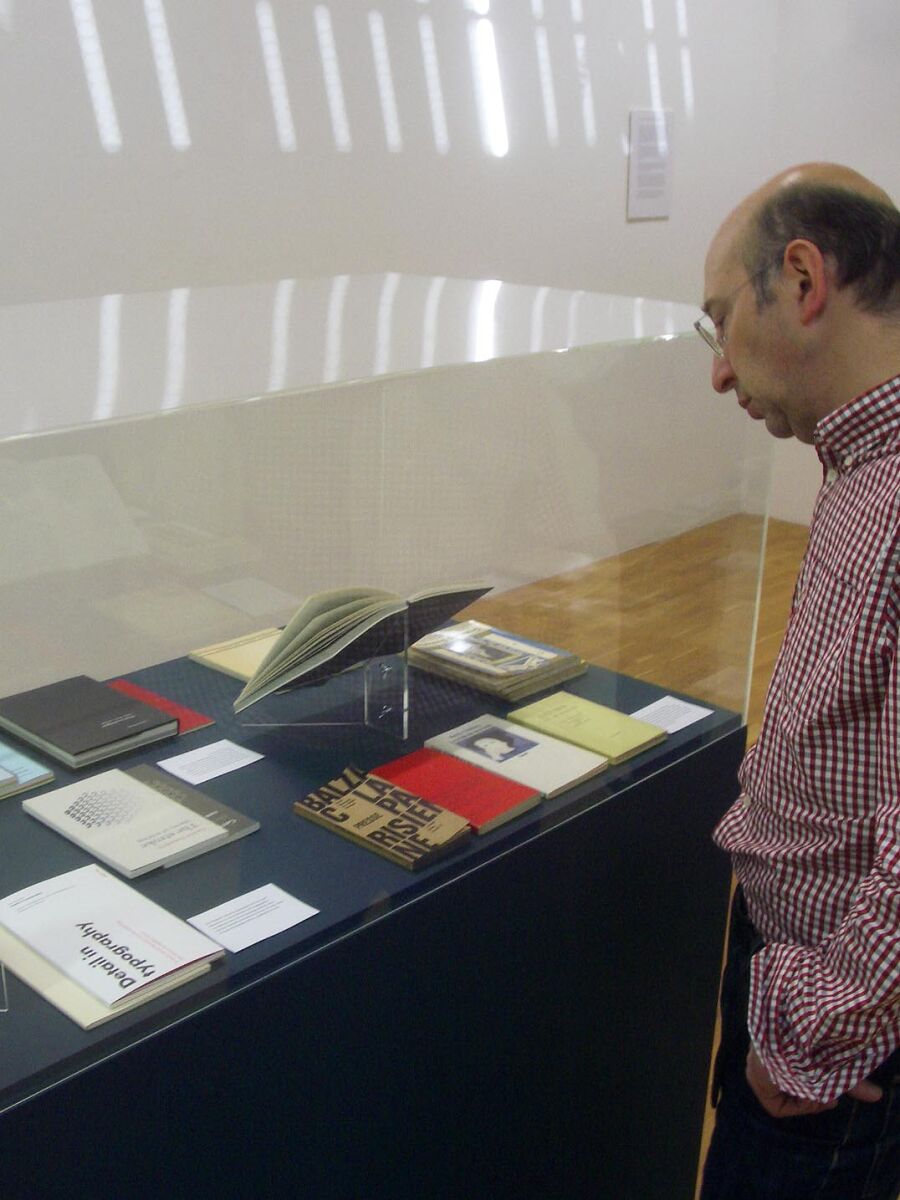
column 250, row 918
column 649, row 164
column 672, row 714
column 218, row 758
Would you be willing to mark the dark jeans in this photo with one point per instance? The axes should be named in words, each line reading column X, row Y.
column 851, row 1152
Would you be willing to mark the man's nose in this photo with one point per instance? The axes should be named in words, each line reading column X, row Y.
column 723, row 377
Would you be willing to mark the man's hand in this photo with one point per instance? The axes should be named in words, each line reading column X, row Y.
column 780, row 1104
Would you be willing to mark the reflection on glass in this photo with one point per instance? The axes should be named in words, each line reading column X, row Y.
column 331, row 72
column 281, row 322
column 572, row 322
column 384, row 323
column 176, row 347
column 433, row 83
column 577, row 11
column 681, row 15
column 537, row 9
column 385, row 82
column 272, row 61
column 548, row 93
column 488, row 91
column 687, row 81
column 638, row 316
column 166, row 75
column 95, row 74
column 333, row 328
column 687, row 75
column 108, row 356
column 537, row 319
column 587, row 91
column 480, row 7
column 649, row 20
column 662, row 140
column 483, row 327
column 429, row 321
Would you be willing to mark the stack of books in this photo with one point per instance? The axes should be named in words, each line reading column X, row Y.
column 80, row 721
column 18, row 772
column 494, row 661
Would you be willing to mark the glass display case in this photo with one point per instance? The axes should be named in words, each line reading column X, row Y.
column 179, row 469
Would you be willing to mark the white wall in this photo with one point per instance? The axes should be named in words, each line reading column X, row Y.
column 210, row 196
column 214, row 197
column 837, row 96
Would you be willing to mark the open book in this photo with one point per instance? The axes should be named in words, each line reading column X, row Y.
column 332, row 631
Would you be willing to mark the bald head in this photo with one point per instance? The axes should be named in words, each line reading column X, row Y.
column 818, row 246
column 823, row 174
column 852, row 221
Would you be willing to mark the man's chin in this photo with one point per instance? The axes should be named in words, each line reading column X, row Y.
column 777, row 426
column 776, row 423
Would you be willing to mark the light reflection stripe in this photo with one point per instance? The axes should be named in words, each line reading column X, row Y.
column 166, row 75
column 94, row 66
column 274, row 66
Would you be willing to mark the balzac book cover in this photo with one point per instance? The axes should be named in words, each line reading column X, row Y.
column 95, row 947
column 80, row 721
column 394, row 823
column 333, row 631
column 483, row 799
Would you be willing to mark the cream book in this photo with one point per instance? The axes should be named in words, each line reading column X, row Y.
column 126, row 823
column 94, row 947
column 543, row 763
column 589, row 725
column 239, row 657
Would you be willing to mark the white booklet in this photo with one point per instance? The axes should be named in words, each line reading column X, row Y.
column 543, row 763
column 95, row 947
column 126, row 823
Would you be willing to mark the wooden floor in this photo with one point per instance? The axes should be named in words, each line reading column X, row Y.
column 678, row 613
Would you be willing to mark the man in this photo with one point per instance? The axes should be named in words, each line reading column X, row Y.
column 802, row 304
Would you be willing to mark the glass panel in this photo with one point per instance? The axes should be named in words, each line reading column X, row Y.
column 564, row 448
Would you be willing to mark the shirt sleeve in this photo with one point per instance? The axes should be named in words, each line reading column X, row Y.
column 824, row 1017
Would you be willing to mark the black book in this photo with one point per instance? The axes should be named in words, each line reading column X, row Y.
column 80, row 721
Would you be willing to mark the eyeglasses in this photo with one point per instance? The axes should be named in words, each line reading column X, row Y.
column 707, row 330
column 706, row 326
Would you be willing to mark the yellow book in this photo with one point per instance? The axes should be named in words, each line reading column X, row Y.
column 592, row 726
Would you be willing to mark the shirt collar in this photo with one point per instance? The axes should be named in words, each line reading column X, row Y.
column 863, row 429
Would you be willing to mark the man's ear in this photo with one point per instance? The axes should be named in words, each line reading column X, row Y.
column 807, row 278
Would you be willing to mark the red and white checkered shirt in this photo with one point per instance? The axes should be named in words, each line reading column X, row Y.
column 815, row 838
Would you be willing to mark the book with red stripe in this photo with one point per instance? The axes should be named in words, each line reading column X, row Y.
column 187, row 718
column 483, row 799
